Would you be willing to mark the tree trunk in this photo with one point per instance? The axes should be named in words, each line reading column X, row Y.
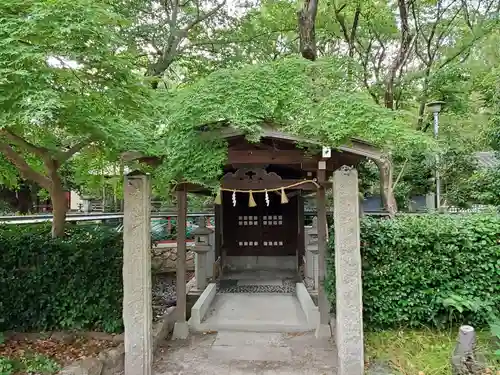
column 402, row 55
column 59, row 206
column 386, row 188
column 307, row 30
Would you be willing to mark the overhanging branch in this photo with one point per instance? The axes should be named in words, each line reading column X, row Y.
column 25, row 170
column 24, row 144
column 66, row 155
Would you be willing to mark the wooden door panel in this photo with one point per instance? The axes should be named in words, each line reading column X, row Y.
column 262, row 230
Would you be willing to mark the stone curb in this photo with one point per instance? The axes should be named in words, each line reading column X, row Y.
column 112, row 360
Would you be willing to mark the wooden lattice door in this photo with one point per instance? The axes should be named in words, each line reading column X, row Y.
column 261, row 230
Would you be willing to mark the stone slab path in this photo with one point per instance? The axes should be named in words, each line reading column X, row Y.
column 245, row 353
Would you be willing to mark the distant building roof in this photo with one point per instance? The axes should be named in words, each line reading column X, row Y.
column 487, row 159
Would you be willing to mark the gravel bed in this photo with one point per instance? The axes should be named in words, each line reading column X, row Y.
column 163, row 286
column 308, row 282
column 288, row 287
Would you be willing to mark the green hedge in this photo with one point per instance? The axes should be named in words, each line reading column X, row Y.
column 70, row 283
column 415, row 267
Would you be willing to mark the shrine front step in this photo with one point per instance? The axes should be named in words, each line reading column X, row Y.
column 248, row 312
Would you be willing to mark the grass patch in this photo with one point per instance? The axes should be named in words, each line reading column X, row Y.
column 29, row 364
column 424, row 352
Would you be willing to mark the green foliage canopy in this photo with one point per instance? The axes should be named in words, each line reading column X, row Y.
column 313, row 100
column 66, row 74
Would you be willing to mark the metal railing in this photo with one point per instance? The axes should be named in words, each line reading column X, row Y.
column 75, row 217
column 41, row 218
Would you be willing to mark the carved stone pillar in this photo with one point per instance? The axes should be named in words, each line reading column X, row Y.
column 349, row 325
column 181, row 329
column 137, row 309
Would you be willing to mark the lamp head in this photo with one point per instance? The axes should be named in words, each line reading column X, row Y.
column 435, row 106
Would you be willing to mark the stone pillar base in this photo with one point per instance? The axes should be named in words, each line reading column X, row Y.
column 181, row 331
column 323, row 331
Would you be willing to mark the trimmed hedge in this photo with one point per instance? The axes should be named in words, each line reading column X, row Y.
column 413, row 265
column 70, row 283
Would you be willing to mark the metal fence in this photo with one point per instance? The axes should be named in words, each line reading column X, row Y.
column 41, row 218
column 103, row 217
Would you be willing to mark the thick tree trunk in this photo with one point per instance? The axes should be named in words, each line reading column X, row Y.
column 386, row 188
column 307, row 30
column 402, row 55
column 59, row 206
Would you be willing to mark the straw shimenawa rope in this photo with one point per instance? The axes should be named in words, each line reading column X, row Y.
column 218, row 199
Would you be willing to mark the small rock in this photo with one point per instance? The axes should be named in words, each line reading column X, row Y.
column 118, row 339
column 113, row 358
column 379, row 368
column 96, row 335
column 64, row 337
column 87, row 366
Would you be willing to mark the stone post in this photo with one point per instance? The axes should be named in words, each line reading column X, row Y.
column 211, row 256
column 349, row 324
column 312, row 253
column 465, row 360
column 181, row 328
column 430, row 202
column 202, row 246
column 137, row 308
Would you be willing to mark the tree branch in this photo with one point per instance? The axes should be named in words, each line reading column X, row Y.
column 202, row 17
column 399, row 174
column 176, row 36
column 66, row 155
column 23, row 167
column 42, row 152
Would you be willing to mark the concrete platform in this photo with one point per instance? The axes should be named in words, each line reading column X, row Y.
column 256, row 313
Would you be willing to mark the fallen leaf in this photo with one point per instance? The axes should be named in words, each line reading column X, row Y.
column 60, row 352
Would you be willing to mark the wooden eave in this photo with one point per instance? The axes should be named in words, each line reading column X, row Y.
column 357, row 146
column 243, row 154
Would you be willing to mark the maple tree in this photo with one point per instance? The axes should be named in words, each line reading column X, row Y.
column 67, row 81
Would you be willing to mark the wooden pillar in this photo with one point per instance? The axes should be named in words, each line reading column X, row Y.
column 301, row 232
column 181, row 329
column 137, row 308
column 323, row 330
column 349, row 311
column 218, row 230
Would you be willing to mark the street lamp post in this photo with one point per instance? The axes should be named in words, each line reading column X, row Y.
column 435, row 108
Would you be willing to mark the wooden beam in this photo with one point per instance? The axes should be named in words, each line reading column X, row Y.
column 254, row 185
column 337, row 160
column 267, row 157
column 190, row 187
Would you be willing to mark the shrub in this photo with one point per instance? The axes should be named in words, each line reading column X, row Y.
column 412, row 265
column 69, row 283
